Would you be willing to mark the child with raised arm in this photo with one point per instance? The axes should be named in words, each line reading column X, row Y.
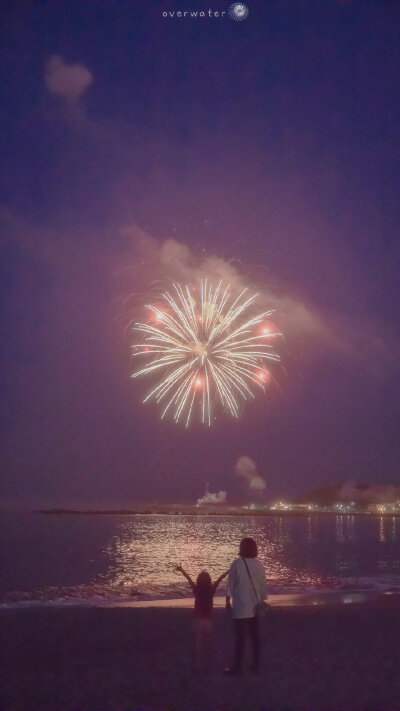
column 204, row 591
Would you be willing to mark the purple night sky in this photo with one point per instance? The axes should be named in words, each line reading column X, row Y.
column 271, row 144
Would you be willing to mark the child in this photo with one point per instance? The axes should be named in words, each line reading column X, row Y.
column 204, row 591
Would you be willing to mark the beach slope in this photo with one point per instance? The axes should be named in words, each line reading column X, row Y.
column 92, row 659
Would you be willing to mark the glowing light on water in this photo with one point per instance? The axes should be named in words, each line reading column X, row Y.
column 205, row 348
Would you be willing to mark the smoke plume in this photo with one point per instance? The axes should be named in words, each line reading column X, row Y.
column 152, row 265
column 246, row 469
column 67, row 80
column 210, row 498
column 369, row 494
column 157, row 264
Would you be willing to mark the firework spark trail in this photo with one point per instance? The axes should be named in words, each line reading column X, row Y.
column 213, row 350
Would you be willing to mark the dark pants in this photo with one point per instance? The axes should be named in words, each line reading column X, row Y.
column 247, row 625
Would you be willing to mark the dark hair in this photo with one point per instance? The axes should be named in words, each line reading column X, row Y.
column 248, row 548
column 203, row 580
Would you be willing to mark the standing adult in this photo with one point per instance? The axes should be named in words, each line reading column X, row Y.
column 247, row 588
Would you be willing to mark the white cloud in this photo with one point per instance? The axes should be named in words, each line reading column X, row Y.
column 67, row 80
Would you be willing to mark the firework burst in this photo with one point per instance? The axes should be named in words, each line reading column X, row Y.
column 205, row 349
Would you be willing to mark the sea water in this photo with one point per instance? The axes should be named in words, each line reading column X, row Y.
column 90, row 559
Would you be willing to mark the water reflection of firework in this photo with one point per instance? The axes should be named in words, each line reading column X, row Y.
column 205, row 348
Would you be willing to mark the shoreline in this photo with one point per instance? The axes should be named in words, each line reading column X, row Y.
column 329, row 598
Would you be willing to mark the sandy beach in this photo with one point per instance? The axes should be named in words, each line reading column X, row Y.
column 336, row 658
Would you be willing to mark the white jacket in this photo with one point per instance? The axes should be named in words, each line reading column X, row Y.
column 240, row 589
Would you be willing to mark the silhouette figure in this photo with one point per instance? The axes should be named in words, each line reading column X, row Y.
column 247, row 588
column 204, row 590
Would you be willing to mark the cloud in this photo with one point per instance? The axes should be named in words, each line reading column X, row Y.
column 210, row 498
column 67, row 80
column 246, row 468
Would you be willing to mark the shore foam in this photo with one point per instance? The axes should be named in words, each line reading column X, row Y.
column 277, row 601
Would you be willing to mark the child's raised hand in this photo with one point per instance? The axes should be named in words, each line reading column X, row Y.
column 179, row 568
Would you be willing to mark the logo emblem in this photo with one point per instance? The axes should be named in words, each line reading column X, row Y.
column 238, row 11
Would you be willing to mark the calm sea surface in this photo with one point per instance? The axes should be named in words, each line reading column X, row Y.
column 76, row 558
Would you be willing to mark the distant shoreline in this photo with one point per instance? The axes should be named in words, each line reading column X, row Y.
column 209, row 512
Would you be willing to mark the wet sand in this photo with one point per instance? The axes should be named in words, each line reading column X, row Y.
column 333, row 658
